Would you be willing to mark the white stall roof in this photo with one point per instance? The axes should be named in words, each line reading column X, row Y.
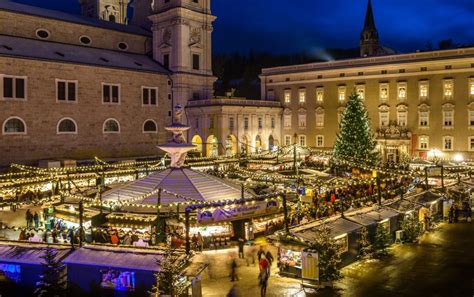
column 28, row 253
column 337, row 226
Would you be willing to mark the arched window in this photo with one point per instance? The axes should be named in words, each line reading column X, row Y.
column 112, row 18
column 150, row 127
column 67, row 126
column 14, row 125
column 111, row 126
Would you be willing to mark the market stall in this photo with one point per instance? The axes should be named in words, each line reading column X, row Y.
column 371, row 217
column 68, row 214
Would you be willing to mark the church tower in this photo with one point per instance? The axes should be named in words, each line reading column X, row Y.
column 108, row 10
column 369, row 38
column 182, row 32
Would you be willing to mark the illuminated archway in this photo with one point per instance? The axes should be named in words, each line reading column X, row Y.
column 197, row 141
column 258, row 144
column 212, row 146
column 271, row 142
column 231, row 145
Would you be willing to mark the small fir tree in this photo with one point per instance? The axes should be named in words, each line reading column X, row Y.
column 329, row 255
column 52, row 282
column 365, row 247
column 169, row 279
column 412, row 228
column 383, row 239
column 355, row 138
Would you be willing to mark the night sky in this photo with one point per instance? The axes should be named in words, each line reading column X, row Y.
column 289, row 26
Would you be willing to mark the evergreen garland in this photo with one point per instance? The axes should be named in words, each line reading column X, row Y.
column 52, row 282
column 329, row 255
column 355, row 138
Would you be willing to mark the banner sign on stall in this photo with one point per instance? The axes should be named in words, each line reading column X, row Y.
column 310, row 266
column 238, row 212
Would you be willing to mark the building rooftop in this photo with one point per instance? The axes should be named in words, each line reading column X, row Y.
column 66, row 53
column 459, row 53
column 187, row 183
column 11, row 6
column 28, row 252
column 219, row 101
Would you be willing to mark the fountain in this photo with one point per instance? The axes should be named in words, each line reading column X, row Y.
column 177, row 148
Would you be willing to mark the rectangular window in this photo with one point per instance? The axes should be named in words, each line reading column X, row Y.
column 211, row 123
column 273, row 123
column 360, row 89
column 384, row 119
column 424, row 119
column 471, row 118
column 471, row 87
column 111, row 93
column 448, row 143
column 423, row 90
column 246, row 123
column 448, row 118
column 66, row 90
column 197, row 123
column 303, row 140
column 423, row 143
column 196, row 65
column 287, row 140
column 402, row 91
column 302, row 95
column 166, row 60
column 319, row 95
column 384, row 92
column 14, row 87
column 302, row 121
column 320, row 120
column 260, row 123
column 287, row 121
column 471, row 143
column 271, row 95
column 319, row 141
column 287, row 96
column 448, row 88
column 402, row 118
column 231, row 123
column 149, row 96
column 341, row 93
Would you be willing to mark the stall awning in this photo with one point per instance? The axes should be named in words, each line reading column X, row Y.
column 424, row 198
column 339, row 226
column 29, row 253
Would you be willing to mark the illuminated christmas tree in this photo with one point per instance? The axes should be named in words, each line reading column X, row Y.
column 52, row 282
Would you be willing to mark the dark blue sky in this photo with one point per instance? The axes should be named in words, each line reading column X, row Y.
column 287, row 26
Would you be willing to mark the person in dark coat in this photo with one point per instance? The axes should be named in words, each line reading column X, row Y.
column 233, row 270
column 241, row 247
column 36, row 219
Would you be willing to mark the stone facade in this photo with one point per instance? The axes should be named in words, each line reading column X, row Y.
column 400, row 92
column 230, row 126
column 41, row 113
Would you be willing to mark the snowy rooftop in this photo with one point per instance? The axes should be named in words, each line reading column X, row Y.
column 182, row 181
column 337, row 226
column 28, row 253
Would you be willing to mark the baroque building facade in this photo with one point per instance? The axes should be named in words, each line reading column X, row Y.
column 419, row 103
column 100, row 84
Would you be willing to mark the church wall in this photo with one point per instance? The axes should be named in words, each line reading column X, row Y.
column 41, row 113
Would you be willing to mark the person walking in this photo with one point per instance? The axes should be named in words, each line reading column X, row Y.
column 260, row 253
column 241, row 247
column 233, row 270
column 36, row 219
column 270, row 259
column 263, row 281
column 200, row 241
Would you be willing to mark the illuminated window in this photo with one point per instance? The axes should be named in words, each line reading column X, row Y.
column 246, row 123
column 448, row 118
column 384, row 118
column 360, row 89
column 471, row 118
column 320, row 120
column 471, row 143
column 319, row 95
column 383, row 92
column 423, row 143
column 302, row 140
column 319, row 141
column 402, row 91
column 302, row 95
column 341, row 93
column 287, row 121
column 287, row 140
column 287, row 96
column 10, row 272
column 423, row 90
column 471, row 86
column 448, row 143
column 448, row 88
column 402, row 118
column 424, row 119
column 302, row 121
